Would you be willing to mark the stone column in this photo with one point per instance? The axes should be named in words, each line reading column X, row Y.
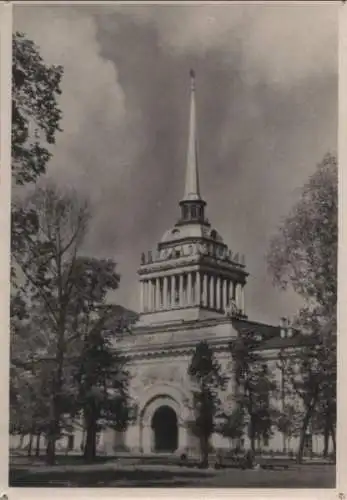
column 198, row 288
column 146, row 295
column 141, row 296
column 157, row 294
column 225, row 294
column 242, row 291
column 189, row 289
column 212, row 304
column 237, row 295
column 218, row 294
column 172, row 291
column 181, row 291
column 151, row 295
column 204, row 291
column 165, row 300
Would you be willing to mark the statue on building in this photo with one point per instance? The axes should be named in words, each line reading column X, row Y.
column 149, row 256
column 143, row 258
column 231, row 309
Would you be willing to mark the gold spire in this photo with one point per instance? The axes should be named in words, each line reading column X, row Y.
column 192, row 188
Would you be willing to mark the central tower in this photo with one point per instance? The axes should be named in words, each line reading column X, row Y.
column 191, row 274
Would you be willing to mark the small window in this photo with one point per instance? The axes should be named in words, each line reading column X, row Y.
column 193, row 211
column 213, row 234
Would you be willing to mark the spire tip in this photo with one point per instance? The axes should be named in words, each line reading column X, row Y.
column 192, row 79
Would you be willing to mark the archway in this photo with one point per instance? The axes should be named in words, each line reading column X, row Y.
column 165, row 429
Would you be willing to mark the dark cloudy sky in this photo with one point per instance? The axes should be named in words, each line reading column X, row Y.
column 267, row 113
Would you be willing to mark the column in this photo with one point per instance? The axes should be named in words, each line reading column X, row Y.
column 198, row 289
column 150, row 292
column 204, row 291
column 237, row 295
column 233, row 290
column 141, row 296
column 181, row 290
column 211, row 282
column 172, row 291
column 165, row 299
column 225, row 294
column 157, row 294
column 218, row 294
column 243, row 299
column 145, row 295
column 189, row 289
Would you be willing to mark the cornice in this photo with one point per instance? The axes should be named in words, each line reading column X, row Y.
column 198, row 262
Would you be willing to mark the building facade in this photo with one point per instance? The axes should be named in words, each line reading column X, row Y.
column 192, row 288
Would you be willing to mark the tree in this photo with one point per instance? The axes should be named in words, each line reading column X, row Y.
column 205, row 372
column 102, row 389
column 47, row 261
column 303, row 255
column 100, row 372
column 233, row 424
column 35, row 112
column 35, row 121
column 255, row 385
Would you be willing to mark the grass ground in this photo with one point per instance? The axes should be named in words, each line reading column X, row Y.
column 125, row 474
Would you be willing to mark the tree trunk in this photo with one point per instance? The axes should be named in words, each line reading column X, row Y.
column 30, row 444
column 305, row 423
column 326, row 438
column 204, row 442
column 284, row 441
column 333, row 437
column 37, row 452
column 252, row 435
column 90, row 443
column 21, row 439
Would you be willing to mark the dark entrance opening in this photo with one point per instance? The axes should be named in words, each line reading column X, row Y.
column 165, row 429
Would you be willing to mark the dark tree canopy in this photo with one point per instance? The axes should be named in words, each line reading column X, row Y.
column 35, row 111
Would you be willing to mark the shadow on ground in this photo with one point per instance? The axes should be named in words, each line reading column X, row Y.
column 105, row 476
column 102, row 478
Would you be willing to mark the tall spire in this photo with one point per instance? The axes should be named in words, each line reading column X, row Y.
column 192, row 187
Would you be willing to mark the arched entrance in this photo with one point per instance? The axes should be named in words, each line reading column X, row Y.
column 165, row 429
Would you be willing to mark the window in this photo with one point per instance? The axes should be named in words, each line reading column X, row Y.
column 193, row 211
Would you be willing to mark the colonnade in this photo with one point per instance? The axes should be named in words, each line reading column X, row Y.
column 188, row 289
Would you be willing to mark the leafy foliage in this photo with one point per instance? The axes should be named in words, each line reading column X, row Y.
column 35, row 112
column 255, row 386
column 205, row 372
column 233, row 423
column 304, row 256
column 63, row 290
column 304, row 252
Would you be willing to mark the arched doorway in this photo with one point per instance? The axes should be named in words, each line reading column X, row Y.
column 165, row 429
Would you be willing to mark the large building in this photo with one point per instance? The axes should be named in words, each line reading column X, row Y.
column 191, row 289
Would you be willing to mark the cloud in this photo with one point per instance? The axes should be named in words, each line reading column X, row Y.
column 96, row 115
column 267, row 111
column 280, row 43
